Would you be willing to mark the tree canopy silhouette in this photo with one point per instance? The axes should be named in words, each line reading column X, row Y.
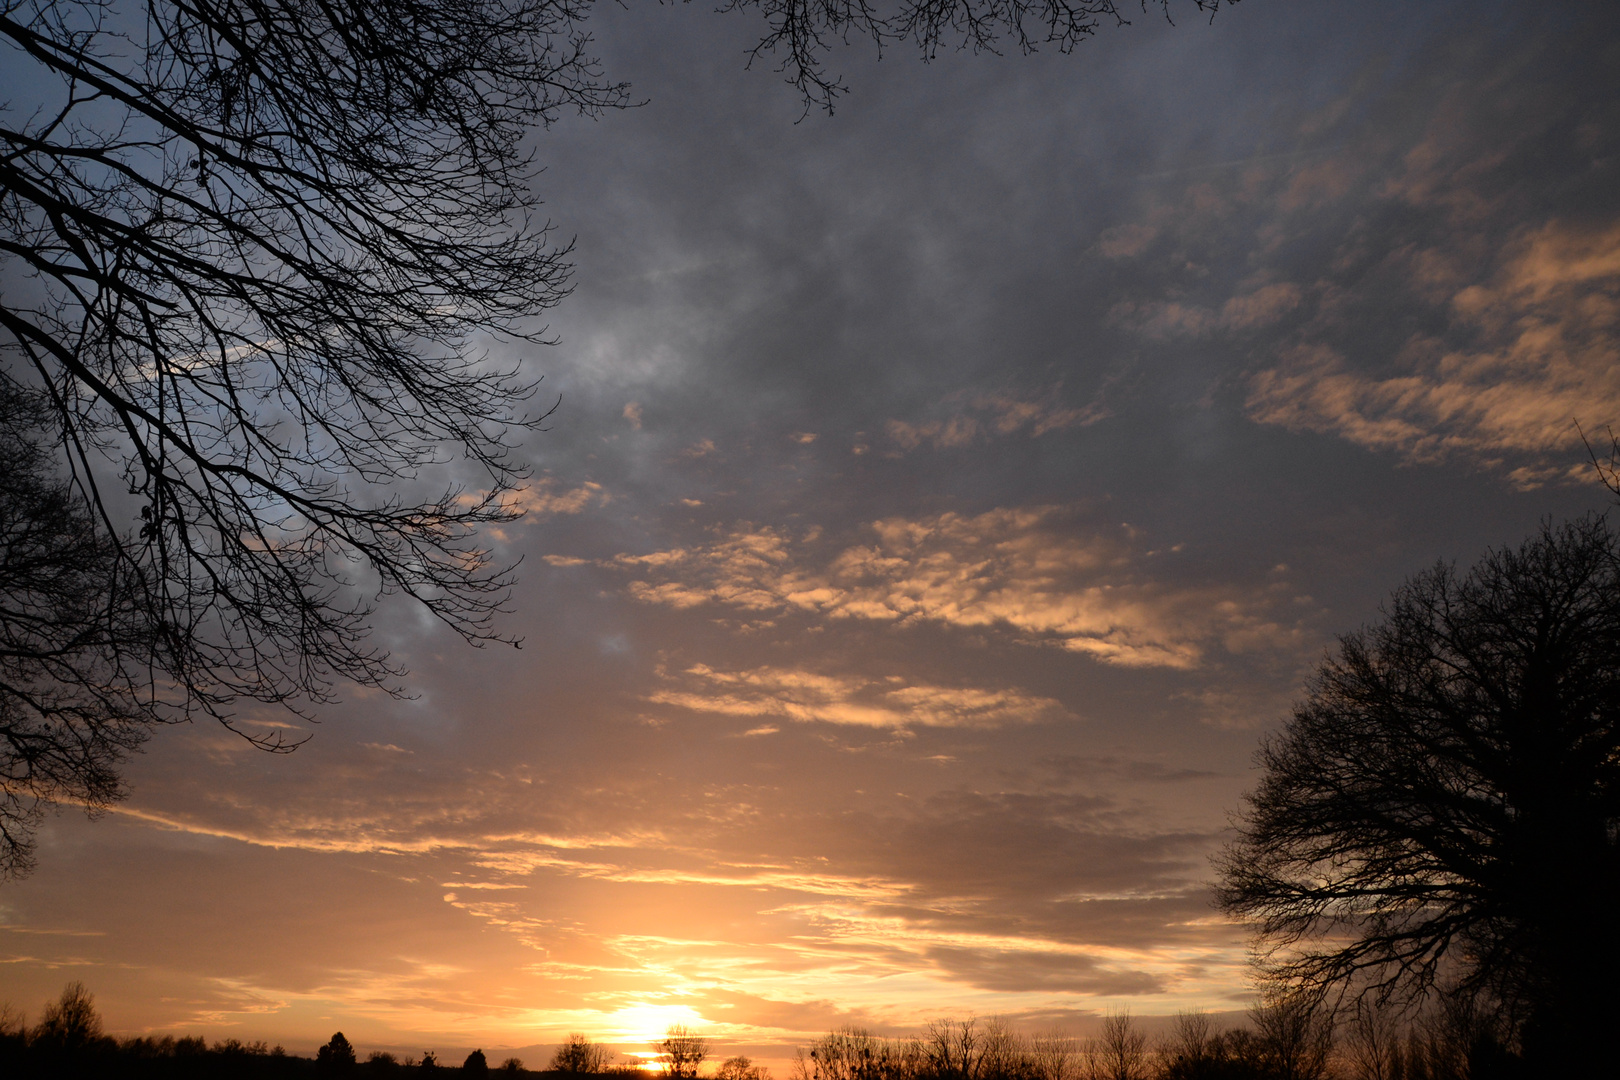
column 336, row 1057
column 1442, row 812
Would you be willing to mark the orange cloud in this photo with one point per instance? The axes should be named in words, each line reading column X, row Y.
column 804, row 697
column 997, row 415
column 1545, row 353
column 1012, row 570
column 545, row 496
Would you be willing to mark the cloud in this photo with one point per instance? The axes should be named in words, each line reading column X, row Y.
column 1125, row 241
column 545, row 496
column 805, row 697
column 1021, row 970
column 1536, row 349
column 1257, row 309
column 982, row 417
column 1419, row 290
column 701, row 448
column 1020, row 571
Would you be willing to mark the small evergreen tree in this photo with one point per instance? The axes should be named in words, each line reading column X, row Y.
column 336, row 1057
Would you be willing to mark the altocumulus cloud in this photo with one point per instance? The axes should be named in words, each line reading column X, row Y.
column 1018, row 571
column 1419, row 278
column 1538, row 352
column 805, row 696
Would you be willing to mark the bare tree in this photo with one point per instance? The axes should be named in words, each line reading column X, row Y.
column 247, row 247
column 953, row 1049
column 1296, row 1036
column 1192, row 1048
column 682, row 1051
column 741, row 1067
column 579, row 1056
column 73, row 642
column 1004, row 1053
column 1120, row 1052
column 1443, row 809
column 70, row 1023
column 853, row 1053
column 800, row 31
column 1054, row 1055
column 1373, row 1042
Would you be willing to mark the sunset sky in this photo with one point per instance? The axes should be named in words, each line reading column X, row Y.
column 945, row 497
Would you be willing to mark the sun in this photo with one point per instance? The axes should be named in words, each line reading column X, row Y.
column 646, row 1023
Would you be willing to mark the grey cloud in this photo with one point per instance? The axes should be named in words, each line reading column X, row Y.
column 1432, row 284
column 1020, row 970
column 1026, row 570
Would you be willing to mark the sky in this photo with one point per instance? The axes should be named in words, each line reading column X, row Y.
column 945, row 498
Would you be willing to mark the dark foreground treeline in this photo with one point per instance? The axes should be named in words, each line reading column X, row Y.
column 68, row 1044
column 1276, row 1043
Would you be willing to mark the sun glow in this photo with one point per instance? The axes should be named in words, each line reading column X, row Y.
column 646, row 1023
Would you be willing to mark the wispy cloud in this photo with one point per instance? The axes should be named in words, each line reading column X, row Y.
column 973, row 419
column 804, row 697
column 1539, row 352
column 1021, row 571
column 1406, row 295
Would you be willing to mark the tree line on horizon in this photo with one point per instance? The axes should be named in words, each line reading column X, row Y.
column 1281, row 1040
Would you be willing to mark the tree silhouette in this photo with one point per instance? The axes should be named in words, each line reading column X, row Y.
column 682, row 1051
column 252, row 244
column 801, row 30
column 579, row 1056
column 475, row 1064
column 336, row 1058
column 741, row 1067
column 1442, row 812
column 1119, row 1052
column 73, row 640
column 70, row 1023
